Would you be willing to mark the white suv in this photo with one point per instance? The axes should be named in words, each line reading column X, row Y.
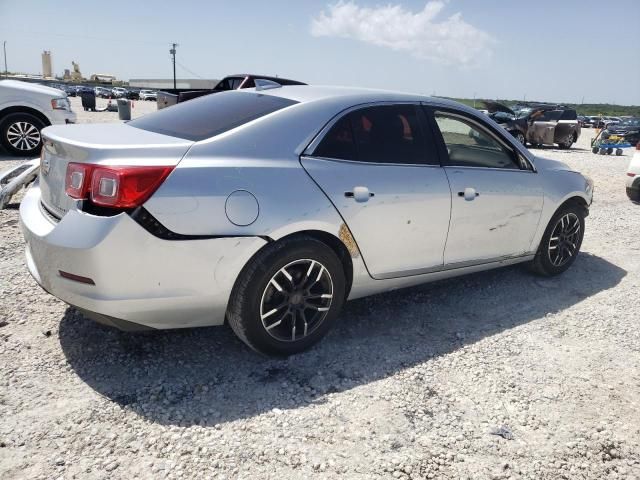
column 25, row 109
column 633, row 176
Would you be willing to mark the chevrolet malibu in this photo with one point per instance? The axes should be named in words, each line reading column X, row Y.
column 268, row 208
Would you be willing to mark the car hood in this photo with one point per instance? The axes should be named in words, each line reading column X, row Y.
column 17, row 87
column 493, row 107
column 542, row 163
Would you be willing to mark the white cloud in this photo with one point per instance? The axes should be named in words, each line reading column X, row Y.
column 450, row 41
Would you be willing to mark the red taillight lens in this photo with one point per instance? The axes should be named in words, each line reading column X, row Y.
column 114, row 186
column 629, row 174
column 125, row 187
column 77, row 180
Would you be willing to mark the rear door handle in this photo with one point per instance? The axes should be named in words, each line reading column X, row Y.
column 469, row 194
column 360, row 194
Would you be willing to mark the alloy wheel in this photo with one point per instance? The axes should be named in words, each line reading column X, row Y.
column 520, row 138
column 23, row 136
column 564, row 240
column 296, row 300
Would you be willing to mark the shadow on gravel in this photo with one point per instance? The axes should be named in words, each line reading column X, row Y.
column 206, row 376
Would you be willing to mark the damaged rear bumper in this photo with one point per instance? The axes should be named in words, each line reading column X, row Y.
column 115, row 270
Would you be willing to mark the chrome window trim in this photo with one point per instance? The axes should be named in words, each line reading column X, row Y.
column 371, row 164
column 476, row 122
column 496, row 169
column 309, row 151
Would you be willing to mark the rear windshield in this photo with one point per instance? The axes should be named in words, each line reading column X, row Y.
column 210, row 115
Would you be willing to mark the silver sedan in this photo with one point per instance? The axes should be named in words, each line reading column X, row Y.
column 271, row 207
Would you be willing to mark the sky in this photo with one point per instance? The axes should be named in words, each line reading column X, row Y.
column 549, row 50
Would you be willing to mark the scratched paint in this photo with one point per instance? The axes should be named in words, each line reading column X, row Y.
column 345, row 235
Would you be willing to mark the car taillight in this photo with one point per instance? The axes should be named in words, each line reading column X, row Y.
column 78, row 180
column 114, row 186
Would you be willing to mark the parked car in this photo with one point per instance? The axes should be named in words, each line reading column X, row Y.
column 633, row 176
column 232, row 82
column 133, row 94
column 27, row 108
column 119, row 92
column 271, row 207
column 628, row 128
column 103, row 92
column 538, row 125
column 70, row 90
column 148, row 95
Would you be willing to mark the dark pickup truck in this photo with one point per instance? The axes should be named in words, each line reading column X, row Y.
column 538, row 124
column 170, row 97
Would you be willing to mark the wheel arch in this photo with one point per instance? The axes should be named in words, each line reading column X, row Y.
column 338, row 247
column 334, row 243
column 24, row 109
column 574, row 199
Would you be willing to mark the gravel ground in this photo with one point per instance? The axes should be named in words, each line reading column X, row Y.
column 495, row 375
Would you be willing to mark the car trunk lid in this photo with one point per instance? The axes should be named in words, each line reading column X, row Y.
column 100, row 144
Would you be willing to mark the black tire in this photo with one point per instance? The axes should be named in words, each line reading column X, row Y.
column 570, row 140
column 520, row 137
column 17, row 122
column 254, row 283
column 543, row 263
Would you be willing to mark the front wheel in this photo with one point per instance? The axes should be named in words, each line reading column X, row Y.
column 20, row 134
column 561, row 241
column 520, row 137
column 288, row 296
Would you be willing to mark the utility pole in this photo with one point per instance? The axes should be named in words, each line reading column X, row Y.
column 173, row 56
column 4, row 47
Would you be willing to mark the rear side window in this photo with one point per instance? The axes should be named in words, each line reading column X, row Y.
column 210, row 115
column 548, row 116
column 338, row 142
column 380, row 134
column 569, row 115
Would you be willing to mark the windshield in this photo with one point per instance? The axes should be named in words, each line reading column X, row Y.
column 210, row 115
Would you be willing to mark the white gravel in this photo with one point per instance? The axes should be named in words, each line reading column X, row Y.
column 412, row 384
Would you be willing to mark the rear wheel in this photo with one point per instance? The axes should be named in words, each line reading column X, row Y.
column 20, row 134
column 570, row 140
column 561, row 241
column 288, row 297
column 520, row 137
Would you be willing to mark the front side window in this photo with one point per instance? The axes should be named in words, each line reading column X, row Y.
column 470, row 146
column 389, row 134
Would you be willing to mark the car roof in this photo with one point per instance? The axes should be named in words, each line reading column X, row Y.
column 264, row 77
column 349, row 95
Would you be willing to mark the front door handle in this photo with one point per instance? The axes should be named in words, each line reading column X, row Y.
column 469, row 194
column 360, row 194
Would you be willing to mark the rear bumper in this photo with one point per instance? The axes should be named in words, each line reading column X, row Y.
column 137, row 277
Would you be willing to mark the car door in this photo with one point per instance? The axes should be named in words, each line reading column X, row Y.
column 567, row 128
column 543, row 127
column 496, row 194
column 379, row 167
